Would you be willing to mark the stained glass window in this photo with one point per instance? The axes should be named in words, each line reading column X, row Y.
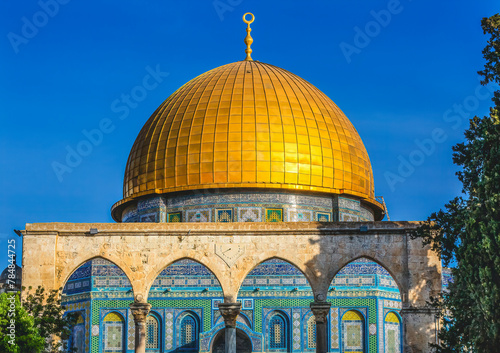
column 311, row 332
column 277, row 332
column 151, row 332
column 188, row 332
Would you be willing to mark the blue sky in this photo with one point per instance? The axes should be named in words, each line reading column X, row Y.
column 404, row 72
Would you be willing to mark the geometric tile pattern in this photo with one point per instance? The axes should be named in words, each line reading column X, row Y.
column 225, row 215
column 323, row 217
column 202, row 215
column 249, row 214
column 274, row 214
column 296, row 320
column 175, row 217
column 131, row 331
column 334, row 326
column 169, row 329
column 297, row 215
column 296, row 207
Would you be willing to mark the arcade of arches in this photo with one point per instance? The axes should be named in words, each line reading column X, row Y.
column 281, row 287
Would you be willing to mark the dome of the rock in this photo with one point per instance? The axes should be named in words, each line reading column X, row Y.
column 249, row 126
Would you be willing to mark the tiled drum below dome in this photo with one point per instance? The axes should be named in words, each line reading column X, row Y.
column 246, row 206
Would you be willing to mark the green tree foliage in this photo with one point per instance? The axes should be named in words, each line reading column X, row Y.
column 467, row 232
column 49, row 319
column 40, row 325
column 18, row 333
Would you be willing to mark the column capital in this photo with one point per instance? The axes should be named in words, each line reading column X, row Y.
column 229, row 312
column 140, row 311
column 320, row 310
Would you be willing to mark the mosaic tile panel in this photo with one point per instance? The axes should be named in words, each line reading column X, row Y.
column 169, row 329
column 300, row 215
column 323, row 217
column 346, row 217
column 274, row 214
column 366, row 214
column 392, row 337
column 352, row 336
column 224, row 215
column 151, row 217
column 380, row 323
column 334, row 328
column 200, row 215
column 296, row 207
column 191, row 304
column 130, row 214
column 131, row 331
column 249, row 214
column 174, row 217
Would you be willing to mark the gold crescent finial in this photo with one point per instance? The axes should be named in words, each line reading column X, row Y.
column 248, row 38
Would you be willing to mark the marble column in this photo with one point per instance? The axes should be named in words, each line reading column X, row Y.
column 140, row 312
column 320, row 310
column 229, row 312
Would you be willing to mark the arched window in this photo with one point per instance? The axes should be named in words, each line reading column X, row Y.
column 78, row 335
column 189, row 332
column 113, row 333
column 311, row 332
column 392, row 332
column 353, row 332
column 277, row 333
column 152, row 330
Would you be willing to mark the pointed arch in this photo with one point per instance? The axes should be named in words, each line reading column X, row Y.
column 207, row 272
column 71, row 272
column 393, row 274
column 255, row 270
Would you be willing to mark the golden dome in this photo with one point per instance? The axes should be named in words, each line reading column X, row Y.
column 248, row 125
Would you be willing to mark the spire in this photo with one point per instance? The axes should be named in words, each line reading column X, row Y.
column 248, row 38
